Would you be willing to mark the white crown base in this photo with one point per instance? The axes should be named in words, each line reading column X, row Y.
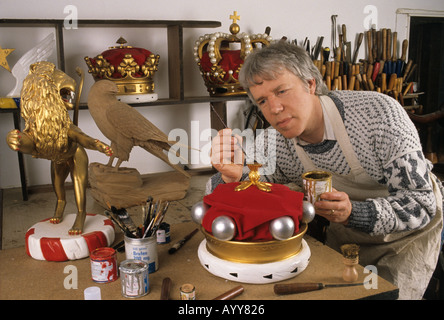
column 256, row 273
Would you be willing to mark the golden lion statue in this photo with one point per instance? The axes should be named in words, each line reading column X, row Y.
column 49, row 133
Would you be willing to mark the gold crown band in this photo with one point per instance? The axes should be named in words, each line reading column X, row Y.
column 127, row 69
column 216, row 80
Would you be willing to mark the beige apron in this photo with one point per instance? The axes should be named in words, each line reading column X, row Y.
column 406, row 258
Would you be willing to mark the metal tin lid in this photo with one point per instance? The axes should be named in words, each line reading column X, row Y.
column 102, row 253
column 140, row 241
column 187, row 288
column 317, row 175
column 133, row 266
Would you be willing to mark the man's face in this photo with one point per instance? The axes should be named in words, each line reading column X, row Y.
column 288, row 105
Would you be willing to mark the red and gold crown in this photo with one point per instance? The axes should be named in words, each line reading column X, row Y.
column 219, row 64
column 130, row 68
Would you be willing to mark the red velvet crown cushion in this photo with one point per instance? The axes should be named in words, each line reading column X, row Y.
column 230, row 61
column 115, row 57
column 252, row 209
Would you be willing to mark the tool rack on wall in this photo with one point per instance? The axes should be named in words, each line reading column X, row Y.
column 175, row 62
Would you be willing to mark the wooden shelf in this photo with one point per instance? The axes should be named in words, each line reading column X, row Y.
column 175, row 48
column 112, row 23
column 174, row 40
column 185, row 100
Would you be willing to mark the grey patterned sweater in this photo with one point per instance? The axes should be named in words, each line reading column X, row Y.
column 381, row 134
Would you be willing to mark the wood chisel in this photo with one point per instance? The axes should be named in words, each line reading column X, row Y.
column 358, row 44
column 301, row 287
column 318, row 47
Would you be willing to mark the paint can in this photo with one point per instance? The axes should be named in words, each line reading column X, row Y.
column 163, row 234
column 103, row 265
column 315, row 184
column 144, row 249
column 187, row 292
column 134, row 278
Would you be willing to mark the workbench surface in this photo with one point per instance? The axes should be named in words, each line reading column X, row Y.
column 22, row 277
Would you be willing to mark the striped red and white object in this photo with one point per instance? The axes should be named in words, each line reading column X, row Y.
column 51, row 242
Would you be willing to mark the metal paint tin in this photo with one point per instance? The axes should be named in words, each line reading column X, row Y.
column 315, row 184
column 134, row 278
column 163, row 234
column 144, row 249
column 187, row 292
column 103, row 265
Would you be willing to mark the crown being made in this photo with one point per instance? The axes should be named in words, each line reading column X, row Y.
column 219, row 64
column 130, row 68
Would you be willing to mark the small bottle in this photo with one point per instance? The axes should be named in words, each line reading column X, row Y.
column 350, row 254
column 350, row 274
column 187, row 292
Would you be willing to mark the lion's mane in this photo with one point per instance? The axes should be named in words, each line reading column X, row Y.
column 46, row 119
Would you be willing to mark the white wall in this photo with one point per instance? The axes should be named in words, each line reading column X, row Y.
column 294, row 19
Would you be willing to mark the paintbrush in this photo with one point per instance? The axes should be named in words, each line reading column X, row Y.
column 147, row 212
column 180, row 243
column 119, row 223
column 125, row 218
column 159, row 221
column 226, row 127
column 120, row 246
column 156, row 216
column 122, row 218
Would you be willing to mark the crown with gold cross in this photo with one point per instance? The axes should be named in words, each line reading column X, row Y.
column 130, row 68
column 220, row 57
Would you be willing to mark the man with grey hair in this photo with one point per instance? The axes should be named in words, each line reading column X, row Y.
column 384, row 198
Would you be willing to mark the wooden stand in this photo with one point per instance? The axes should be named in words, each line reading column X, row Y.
column 127, row 188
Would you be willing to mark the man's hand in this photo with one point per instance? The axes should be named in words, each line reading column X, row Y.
column 335, row 206
column 227, row 156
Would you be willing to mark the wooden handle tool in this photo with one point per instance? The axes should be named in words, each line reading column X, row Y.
column 405, row 45
column 358, row 44
column 301, row 287
column 369, row 47
column 384, row 44
column 165, row 290
column 230, row 294
column 389, row 44
column 395, row 46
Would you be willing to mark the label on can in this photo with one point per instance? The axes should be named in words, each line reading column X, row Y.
column 163, row 234
column 134, row 278
column 315, row 184
column 187, row 292
column 103, row 265
column 144, row 249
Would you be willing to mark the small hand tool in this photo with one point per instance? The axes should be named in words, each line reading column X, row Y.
column 180, row 243
column 369, row 46
column 333, row 32
column 123, row 215
column 308, row 286
column 317, row 48
column 225, row 126
column 165, row 290
column 230, row 294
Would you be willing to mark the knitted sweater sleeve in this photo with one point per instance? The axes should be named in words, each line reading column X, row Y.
column 397, row 161
column 411, row 202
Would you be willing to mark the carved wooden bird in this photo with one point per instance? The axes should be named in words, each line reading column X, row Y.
column 125, row 127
